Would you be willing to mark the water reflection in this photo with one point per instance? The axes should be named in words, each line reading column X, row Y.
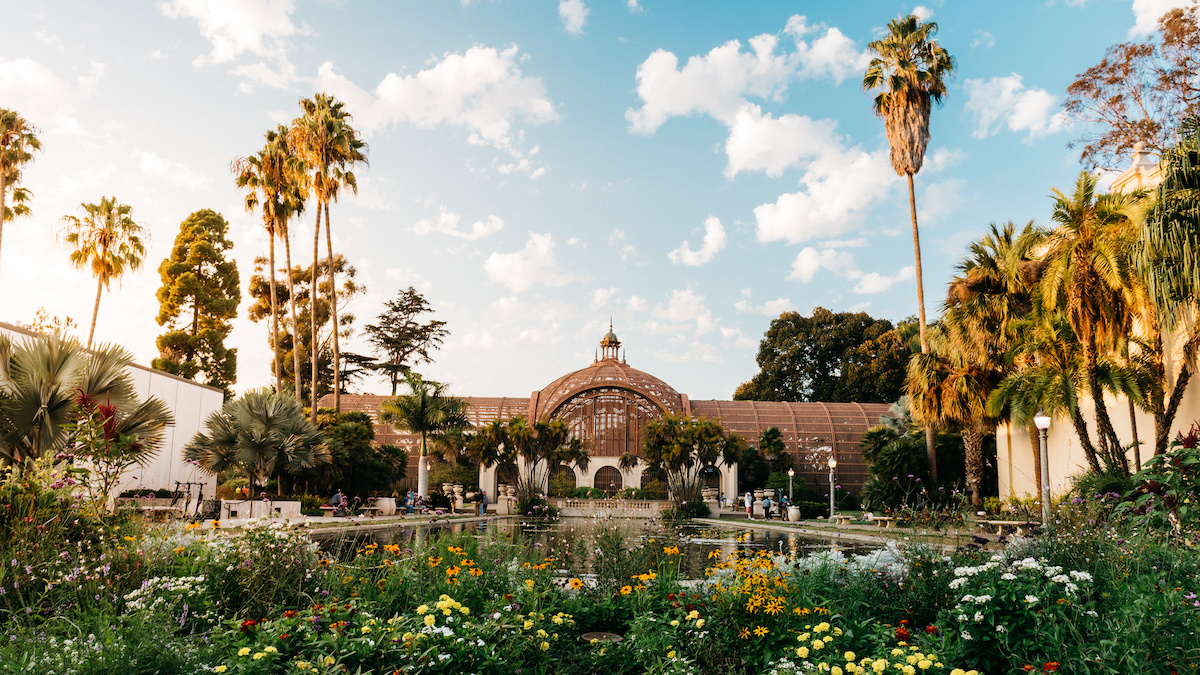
column 576, row 539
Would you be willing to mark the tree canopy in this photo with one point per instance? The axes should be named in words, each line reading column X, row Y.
column 832, row 357
column 198, row 300
column 400, row 340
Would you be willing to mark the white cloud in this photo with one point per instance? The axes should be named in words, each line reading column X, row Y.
column 1146, row 14
column 625, row 249
column 481, row 90
column 736, row 339
column 685, row 307
column 922, row 12
column 235, row 27
column 172, row 172
column 535, row 263
column 943, row 158
column 837, row 188
column 769, row 308
column 874, row 282
column 810, row 260
column 714, row 241
column 601, row 296
column 46, row 100
column 573, row 14
column 831, row 55
column 634, row 7
column 448, row 223
column 479, row 341
column 637, row 304
column 940, row 199
column 45, row 38
column 770, row 144
column 983, row 39
column 1005, row 101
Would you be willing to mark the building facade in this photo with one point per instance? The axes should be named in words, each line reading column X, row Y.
column 608, row 403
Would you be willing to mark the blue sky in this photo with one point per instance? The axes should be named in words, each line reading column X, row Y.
column 690, row 169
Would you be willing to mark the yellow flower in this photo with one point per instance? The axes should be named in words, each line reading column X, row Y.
column 544, row 646
column 958, row 671
column 671, row 654
column 821, row 627
column 908, row 670
column 849, row 656
column 761, row 630
column 671, row 550
column 924, row 664
column 692, row 615
column 453, row 570
column 528, row 625
column 802, row 652
column 430, row 619
column 422, row 609
column 434, row 560
column 818, row 643
column 271, row 650
column 879, row 665
column 465, row 610
column 220, row 669
column 258, row 656
column 575, row 583
column 897, row 652
column 529, row 584
column 836, row 670
column 639, row 587
column 674, row 622
column 803, row 637
column 244, row 651
column 475, row 571
column 365, row 629
column 699, row 623
column 744, row 633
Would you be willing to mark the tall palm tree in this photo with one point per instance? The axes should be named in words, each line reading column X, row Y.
column 274, row 180
column 262, row 433
column 40, row 382
column 910, row 69
column 330, row 148
column 107, row 240
column 18, row 142
column 1090, row 277
column 425, row 410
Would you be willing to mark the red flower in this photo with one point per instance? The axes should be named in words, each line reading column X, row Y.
column 670, row 596
column 1050, row 667
column 289, row 614
column 902, row 634
column 1027, row 668
column 932, row 630
column 508, row 596
column 248, row 625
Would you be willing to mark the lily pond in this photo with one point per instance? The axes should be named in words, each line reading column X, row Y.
column 577, row 544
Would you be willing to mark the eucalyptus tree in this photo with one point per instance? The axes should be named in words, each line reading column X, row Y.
column 910, row 70
column 41, row 383
column 18, row 142
column 273, row 180
column 261, row 434
column 426, row 410
column 330, row 148
column 1090, row 277
column 108, row 241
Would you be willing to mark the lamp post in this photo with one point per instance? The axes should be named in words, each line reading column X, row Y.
column 1042, row 421
column 832, row 466
column 791, row 472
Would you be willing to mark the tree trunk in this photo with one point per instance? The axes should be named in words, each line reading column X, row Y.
column 930, row 434
column 337, row 366
column 973, row 446
column 274, row 314
column 95, row 311
column 1035, row 443
column 1110, row 445
column 287, row 252
column 312, row 388
column 1085, row 441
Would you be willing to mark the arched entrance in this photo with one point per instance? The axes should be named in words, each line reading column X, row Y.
column 562, row 481
column 608, row 479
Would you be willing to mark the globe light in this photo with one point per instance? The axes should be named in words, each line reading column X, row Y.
column 1041, row 420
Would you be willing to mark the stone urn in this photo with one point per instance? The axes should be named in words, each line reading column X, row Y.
column 758, row 495
column 458, row 490
column 769, row 494
column 447, row 488
column 512, row 490
column 793, row 514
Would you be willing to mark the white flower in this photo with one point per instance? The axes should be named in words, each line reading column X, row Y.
column 1008, row 576
column 1061, row 579
column 967, row 636
column 1031, row 599
column 978, row 617
column 958, row 583
column 962, row 617
column 1092, row 613
column 1001, row 629
column 983, row 599
column 968, row 598
column 1080, row 576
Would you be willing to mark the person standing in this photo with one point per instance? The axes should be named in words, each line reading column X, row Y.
column 767, row 507
column 483, row 502
column 749, row 505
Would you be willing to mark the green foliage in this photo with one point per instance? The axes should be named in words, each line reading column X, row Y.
column 399, row 340
column 586, row 493
column 679, row 448
column 898, row 473
column 197, row 301
column 828, row 357
column 752, row 471
column 455, row 474
column 356, row 466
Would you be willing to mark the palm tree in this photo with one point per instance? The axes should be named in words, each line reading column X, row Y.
column 1090, row 277
column 262, row 433
column 41, row 380
column 18, row 142
column 425, row 411
column 679, row 447
column 273, row 178
column 108, row 241
column 910, row 69
column 330, row 148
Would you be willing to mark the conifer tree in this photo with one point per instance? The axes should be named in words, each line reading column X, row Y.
column 198, row 299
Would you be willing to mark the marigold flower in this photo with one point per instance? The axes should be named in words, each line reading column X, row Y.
column 802, row 652
column 575, row 583
column 430, row 619
column 1050, row 667
column 220, row 669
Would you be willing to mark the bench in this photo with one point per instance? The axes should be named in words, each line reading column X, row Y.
column 1021, row 527
column 370, row 510
column 886, row 522
column 843, row 520
column 329, row 511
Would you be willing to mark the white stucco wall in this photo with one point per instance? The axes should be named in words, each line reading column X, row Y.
column 190, row 402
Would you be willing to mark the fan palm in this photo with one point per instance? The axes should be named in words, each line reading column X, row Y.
column 107, row 240
column 273, row 179
column 18, row 142
column 330, row 148
column 262, row 433
column 1090, row 277
column 425, row 411
column 679, row 447
column 40, row 381
column 910, row 69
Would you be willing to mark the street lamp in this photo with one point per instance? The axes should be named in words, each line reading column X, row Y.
column 832, row 465
column 1042, row 421
column 791, row 472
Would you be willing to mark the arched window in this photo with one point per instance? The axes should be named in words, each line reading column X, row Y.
column 608, row 479
column 562, row 481
column 710, row 477
column 609, row 420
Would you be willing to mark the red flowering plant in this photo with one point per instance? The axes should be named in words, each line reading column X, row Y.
column 105, row 442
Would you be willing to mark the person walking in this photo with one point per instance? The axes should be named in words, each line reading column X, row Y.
column 767, row 507
column 483, row 502
column 749, row 505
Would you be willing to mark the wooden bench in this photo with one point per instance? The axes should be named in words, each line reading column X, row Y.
column 886, row 522
column 1021, row 527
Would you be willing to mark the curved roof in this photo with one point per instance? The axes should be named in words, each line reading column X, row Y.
column 608, row 373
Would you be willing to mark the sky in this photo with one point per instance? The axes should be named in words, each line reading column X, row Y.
column 689, row 169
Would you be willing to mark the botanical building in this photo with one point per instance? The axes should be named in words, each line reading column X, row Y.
column 608, row 403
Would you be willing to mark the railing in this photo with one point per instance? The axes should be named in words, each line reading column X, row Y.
column 621, row 508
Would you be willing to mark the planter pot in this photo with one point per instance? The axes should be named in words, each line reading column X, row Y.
column 793, row 514
column 769, row 494
column 458, row 490
column 758, row 495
